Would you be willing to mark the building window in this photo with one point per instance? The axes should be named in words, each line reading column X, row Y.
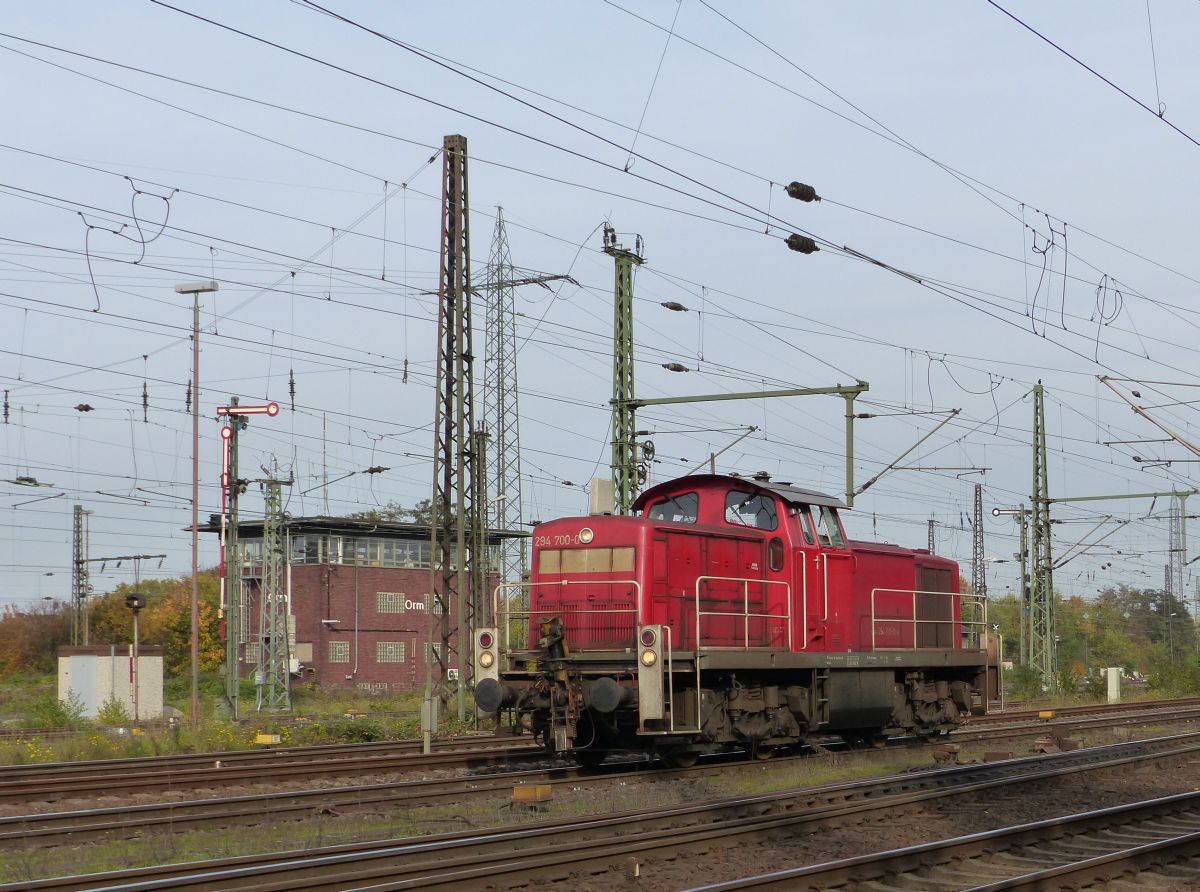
column 389, row 651
column 339, row 651
column 252, row 651
column 389, row 602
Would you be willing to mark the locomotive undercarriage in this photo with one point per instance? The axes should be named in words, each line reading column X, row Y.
column 591, row 711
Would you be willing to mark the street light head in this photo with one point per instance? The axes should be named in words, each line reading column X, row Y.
column 197, row 287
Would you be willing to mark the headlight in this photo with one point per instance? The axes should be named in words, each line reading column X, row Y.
column 486, row 659
column 585, row 536
column 649, row 658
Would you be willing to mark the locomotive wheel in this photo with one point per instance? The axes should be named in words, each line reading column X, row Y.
column 589, row 759
column 680, row 758
column 762, row 751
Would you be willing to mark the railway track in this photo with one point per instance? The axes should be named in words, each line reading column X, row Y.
column 1086, row 709
column 57, row 781
column 1160, row 837
column 558, row 850
column 1069, row 723
column 82, row 826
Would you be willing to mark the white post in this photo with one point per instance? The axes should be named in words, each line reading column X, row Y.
column 1113, row 673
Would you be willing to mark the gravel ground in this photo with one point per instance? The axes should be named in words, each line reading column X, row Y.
column 948, row 818
column 937, row 821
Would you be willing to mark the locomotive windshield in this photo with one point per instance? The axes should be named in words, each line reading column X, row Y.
column 682, row 508
column 751, row 510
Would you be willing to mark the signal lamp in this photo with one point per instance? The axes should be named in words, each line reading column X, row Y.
column 485, row 639
column 648, row 638
column 649, row 658
column 486, row 659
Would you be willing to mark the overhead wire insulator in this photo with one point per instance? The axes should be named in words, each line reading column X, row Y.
column 145, row 404
column 801, row 243
column 801, row 191
column 6, row 407
column 292, row 387
column 187, row 398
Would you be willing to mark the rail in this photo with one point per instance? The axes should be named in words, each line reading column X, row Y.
column 505, row 614
column 973, row 628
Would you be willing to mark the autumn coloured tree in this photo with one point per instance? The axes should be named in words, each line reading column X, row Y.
column 165, row 621
column 30, row 638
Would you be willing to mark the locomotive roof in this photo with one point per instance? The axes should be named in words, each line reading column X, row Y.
column 791, row 494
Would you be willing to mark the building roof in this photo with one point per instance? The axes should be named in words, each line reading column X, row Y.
column 393, row 529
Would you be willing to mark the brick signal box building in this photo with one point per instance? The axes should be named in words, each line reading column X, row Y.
column 361, row 615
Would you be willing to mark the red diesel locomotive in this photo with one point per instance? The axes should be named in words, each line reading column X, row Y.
column 728, row 613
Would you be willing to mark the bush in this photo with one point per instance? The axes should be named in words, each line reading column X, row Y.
column 1172, row 677
column 1096, row 686
column 1025, row 682
column 50, row 712
column 113, row 713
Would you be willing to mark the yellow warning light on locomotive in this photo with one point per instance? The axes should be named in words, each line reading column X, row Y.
column 486, row 660
column 649, row 658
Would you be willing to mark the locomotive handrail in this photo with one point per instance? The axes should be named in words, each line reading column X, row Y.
column 977, row 626
column 511, row 614
column 803, row 601
column 745, row 614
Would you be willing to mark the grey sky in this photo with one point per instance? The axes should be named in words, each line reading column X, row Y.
column 1036, row 137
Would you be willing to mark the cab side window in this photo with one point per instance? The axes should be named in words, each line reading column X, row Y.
column 682, row 508
column 802, row 518
column 751, row 510
column 829, row 531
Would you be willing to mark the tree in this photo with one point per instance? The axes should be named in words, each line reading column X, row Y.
column 421, row 513
column 30, row 638
column 166, row 620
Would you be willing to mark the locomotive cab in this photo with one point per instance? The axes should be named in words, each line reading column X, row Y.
column 726, row 613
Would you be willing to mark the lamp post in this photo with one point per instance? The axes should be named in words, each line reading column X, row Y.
column 135, row 602
column 195, row 289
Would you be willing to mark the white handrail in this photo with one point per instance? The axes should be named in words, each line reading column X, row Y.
column 746, row 614
column 965, row 598
column 509, row 613
column 804, row 600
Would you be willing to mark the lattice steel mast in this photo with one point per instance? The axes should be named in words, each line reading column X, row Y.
column 978, row 560
column 455, row 510
column 501, row 418
column 80, row 576
column 1042, row 649
column 1177, row 549
column 624, row 425
column 273, row 653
